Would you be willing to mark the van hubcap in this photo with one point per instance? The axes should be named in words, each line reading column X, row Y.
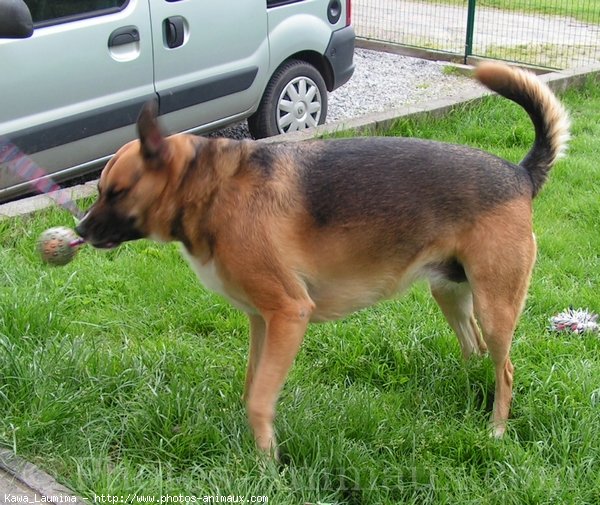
column 299, row 105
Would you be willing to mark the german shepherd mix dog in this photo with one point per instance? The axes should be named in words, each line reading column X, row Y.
column 312, row 231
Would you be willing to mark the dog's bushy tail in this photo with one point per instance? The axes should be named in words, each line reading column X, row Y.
column 550, row 120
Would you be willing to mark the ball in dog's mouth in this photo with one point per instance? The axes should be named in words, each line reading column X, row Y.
column 58, row 245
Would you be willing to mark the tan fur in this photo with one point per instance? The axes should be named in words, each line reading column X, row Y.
column 255, row 233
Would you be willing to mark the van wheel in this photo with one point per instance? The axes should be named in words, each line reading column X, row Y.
column 295, row 98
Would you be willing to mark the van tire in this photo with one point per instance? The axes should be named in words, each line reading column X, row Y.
column 295, row 98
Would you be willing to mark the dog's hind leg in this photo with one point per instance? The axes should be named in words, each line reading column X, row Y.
column 498, row 318
column 456, row 302
column 499, row 270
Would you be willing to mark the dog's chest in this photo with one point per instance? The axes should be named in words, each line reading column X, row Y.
column 211, row 280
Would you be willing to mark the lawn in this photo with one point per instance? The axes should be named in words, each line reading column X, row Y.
column 584, row 10
column 122, row 376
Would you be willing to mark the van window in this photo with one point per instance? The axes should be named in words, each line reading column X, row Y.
column 50, row 12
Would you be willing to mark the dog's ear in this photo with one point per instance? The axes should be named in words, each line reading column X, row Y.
column 152, row 140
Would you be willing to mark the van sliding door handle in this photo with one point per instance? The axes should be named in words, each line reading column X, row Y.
column 173, row 29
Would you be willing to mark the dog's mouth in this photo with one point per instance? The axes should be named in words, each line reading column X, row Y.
column 105, row 245
column 107, row 232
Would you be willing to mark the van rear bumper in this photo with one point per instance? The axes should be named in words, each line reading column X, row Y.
column 340, row 55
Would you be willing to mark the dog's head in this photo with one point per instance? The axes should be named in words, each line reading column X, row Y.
column 130, row 187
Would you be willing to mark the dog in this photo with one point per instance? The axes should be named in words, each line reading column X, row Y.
column 292, row 233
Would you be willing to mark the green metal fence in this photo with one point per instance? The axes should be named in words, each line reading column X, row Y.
column 546, row 33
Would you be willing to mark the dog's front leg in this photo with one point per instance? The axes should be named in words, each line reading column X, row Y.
column 258, row 330
column 285, row 330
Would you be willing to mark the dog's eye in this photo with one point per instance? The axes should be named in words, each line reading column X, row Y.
column 114, row 194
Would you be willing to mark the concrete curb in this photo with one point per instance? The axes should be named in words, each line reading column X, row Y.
column 39, row 202
column 23, row 482
column 558, row 81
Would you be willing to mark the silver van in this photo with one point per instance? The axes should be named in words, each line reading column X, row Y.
column 75, row 73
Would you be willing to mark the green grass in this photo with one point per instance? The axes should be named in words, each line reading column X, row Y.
column 120, row 374
column 548, row 55
column 584, row 10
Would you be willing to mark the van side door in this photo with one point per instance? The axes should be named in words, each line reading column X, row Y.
column 211, row 60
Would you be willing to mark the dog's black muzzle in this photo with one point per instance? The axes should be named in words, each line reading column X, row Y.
column 106, row 230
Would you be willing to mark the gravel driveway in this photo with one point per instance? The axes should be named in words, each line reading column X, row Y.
column 383, row 81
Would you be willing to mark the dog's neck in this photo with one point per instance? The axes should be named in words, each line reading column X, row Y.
column 204, row 163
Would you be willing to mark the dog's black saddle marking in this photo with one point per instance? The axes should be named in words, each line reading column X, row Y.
column 263, row 158
column 399, row 181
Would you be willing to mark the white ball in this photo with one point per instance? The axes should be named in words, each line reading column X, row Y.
column 54, row 245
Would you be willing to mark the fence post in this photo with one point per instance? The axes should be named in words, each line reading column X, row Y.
column 470, row 29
